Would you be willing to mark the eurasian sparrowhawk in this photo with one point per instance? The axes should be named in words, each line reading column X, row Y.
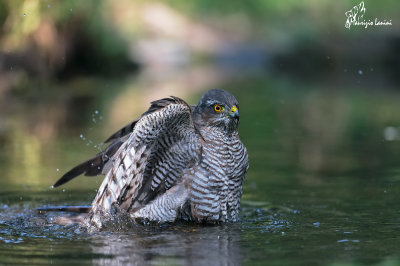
column 174, row 162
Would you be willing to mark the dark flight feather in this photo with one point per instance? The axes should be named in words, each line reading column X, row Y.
column 91, row 167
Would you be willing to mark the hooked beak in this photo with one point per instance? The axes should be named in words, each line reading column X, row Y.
column 234, row 112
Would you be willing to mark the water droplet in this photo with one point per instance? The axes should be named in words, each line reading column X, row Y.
column 48, row 6
column 57, row 169
column 24, row 15
column 94, row 120
column 348, row 240
column 316, row 224
column 51, row 187
column 96, row 112
column 283, row 233
column 64, row 190
column 390, row 133
column 70, row 10
column 100, row 117
column 81, row 136
column 360, row 72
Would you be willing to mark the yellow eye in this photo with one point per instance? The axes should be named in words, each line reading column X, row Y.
column 218, row 108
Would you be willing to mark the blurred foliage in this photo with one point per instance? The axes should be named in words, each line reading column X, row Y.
column 49, row 40
column 299, row 19
column 61, row 36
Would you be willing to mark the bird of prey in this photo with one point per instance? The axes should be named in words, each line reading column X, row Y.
column 174, row 162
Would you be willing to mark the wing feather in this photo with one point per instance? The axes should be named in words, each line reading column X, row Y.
column 100, row 163
column 151, row 160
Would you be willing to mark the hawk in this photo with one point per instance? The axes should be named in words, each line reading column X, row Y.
column 174, row 162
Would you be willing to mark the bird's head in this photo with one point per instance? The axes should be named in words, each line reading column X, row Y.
column 218, row 108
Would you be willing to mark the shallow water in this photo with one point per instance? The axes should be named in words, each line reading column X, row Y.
column 322, row 187
column 304, row 225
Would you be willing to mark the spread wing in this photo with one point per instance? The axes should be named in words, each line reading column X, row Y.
column 129, row 128
column 162, row 145
column 101, row 163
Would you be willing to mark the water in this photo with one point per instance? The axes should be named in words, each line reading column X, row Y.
column 322, row 188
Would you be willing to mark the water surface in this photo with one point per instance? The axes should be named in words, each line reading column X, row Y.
column 322, row 187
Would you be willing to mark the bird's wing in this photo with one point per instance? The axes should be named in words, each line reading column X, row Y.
column 129, row 127
column 162, row 145
column 101, row 163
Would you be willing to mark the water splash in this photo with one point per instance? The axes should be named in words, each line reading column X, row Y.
column 348, row 240
column 390, row 133
column 96, row 116
column 89, row 143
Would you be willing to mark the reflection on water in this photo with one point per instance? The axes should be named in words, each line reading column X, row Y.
column 182, row 245
column 322, row 186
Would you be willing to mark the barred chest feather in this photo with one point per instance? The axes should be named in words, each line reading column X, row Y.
column 216, row 184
